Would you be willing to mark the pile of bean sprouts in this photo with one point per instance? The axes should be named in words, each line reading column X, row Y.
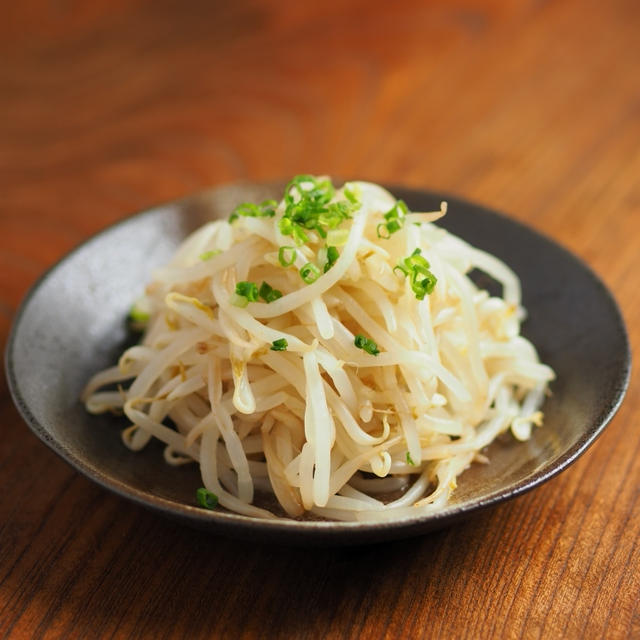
column 325, row 425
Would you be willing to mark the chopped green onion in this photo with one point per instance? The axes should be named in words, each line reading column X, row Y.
column 207, row 255
column 352, row 193
column 382, row 231
column 366, row 344
column 416, row 266
column 206, row 499
column 279, row 345
column 409, row 460
column 266, row 209
column 285, row 226
column 308, row 206
column 337, row 237
column 309, row 273
column 394, row 220
column 397, row 212
column 282, row 256
column 248, row 290
column 289, row 228
column 299, row 236
column 306, row 187
column 268, row 293
column 393, row 226
column 335, row 213
column 332, row 256
column 238, row 301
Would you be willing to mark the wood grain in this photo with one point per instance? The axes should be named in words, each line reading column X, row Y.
column 531, row 107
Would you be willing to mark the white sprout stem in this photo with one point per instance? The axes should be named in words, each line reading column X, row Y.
column 318, row 428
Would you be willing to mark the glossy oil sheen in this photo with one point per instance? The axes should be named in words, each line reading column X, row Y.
column 72, row 324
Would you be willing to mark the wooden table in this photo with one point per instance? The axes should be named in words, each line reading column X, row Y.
column 531, row 107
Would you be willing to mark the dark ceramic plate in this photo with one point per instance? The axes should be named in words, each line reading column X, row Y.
column 72, row 324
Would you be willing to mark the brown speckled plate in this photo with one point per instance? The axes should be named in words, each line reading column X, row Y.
column 72, row 324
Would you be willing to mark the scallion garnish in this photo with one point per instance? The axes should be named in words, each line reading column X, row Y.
column 421, row 279
column 238, row 301
column 248, row 290
column 206, row 498
column 279, row 345
column 332, row 256
column 308, row 206
column 286, row 256
column 318, row 191
column 268, row 293
column 266, row 209
column 337, row 237
column 366, row 344
column 289, row 228
column 409, row 460
column 334, row 215
column 394, row 220
column 309, row 272
column 352, row 193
